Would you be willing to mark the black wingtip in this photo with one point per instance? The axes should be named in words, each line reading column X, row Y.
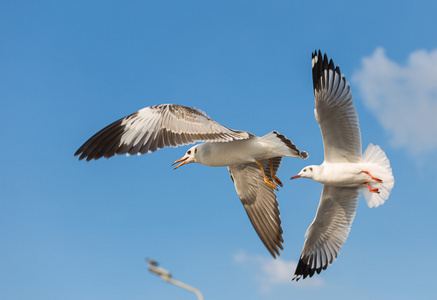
column 304, row 270
column 79, row 152
column 104, row 143
column 319, row 65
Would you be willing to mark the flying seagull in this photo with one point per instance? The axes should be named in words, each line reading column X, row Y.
column 252, row 161
column 344, row 171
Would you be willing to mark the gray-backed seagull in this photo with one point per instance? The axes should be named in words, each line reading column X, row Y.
column 344, row 171
column 252, row 161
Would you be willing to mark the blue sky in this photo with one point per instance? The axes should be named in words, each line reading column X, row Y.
column 77, row 230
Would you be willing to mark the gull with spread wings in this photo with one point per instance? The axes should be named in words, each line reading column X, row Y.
column 344, row 171
column 252, row 161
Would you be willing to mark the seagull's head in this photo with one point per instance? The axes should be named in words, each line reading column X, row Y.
column 307, row 172
column 188, row 158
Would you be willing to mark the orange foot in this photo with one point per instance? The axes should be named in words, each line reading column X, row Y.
column 273, row 174
column 266, row 180
column 372, row 190
column 270, row 183
column 374, row 178
column 277, row 180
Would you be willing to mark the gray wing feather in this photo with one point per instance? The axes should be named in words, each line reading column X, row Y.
column 260, row 202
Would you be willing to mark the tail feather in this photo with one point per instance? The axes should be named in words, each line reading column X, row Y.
column 379, row 166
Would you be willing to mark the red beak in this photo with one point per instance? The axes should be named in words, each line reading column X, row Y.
column 295, row 176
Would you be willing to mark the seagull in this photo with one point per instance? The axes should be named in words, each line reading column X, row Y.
column 252, row 161
column 344, row 171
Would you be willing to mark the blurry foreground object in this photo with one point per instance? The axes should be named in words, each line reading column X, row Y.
column 166, row 276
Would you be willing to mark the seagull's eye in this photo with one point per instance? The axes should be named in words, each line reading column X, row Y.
column 195, row 150
column 189, row 152
column 304, row 170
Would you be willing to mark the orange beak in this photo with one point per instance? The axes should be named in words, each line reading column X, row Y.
column 295, row 176
column 182, row 162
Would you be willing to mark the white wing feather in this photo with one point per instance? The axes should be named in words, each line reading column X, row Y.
column 156, row 127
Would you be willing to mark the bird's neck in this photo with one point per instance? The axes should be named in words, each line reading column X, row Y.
column 318, row 172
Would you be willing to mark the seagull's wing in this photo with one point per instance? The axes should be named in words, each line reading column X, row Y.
column 156, row 127
column 329, row 230
column 260, row 202
column 335, row 112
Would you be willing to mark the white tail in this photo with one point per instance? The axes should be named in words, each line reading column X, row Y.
column 379, row 167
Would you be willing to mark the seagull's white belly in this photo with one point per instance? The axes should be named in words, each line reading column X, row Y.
column 343, row 174
column 231, row 153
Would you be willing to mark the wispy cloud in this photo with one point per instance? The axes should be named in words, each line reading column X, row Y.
column 274, row 272
column 402, row 97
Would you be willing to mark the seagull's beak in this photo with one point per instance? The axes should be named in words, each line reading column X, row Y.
column 295, row 177
column 182, row 162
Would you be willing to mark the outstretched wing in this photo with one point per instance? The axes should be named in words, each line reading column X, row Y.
column 260, row 202
column 156, row 127
column 329, row 230
column 335, row 112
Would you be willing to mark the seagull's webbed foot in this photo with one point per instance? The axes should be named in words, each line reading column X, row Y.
column 270, row 183
column 266, row 180
column 273, row 174
column 374, row 178
column 277, row 180
column 372, row 190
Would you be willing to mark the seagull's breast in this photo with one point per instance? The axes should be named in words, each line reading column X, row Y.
column 228, row 154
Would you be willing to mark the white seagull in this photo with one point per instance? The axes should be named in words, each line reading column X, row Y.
column 252, row 161
column 343, row 173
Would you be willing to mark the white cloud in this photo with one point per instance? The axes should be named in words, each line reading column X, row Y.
column 274, row 272
column 402, row 97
